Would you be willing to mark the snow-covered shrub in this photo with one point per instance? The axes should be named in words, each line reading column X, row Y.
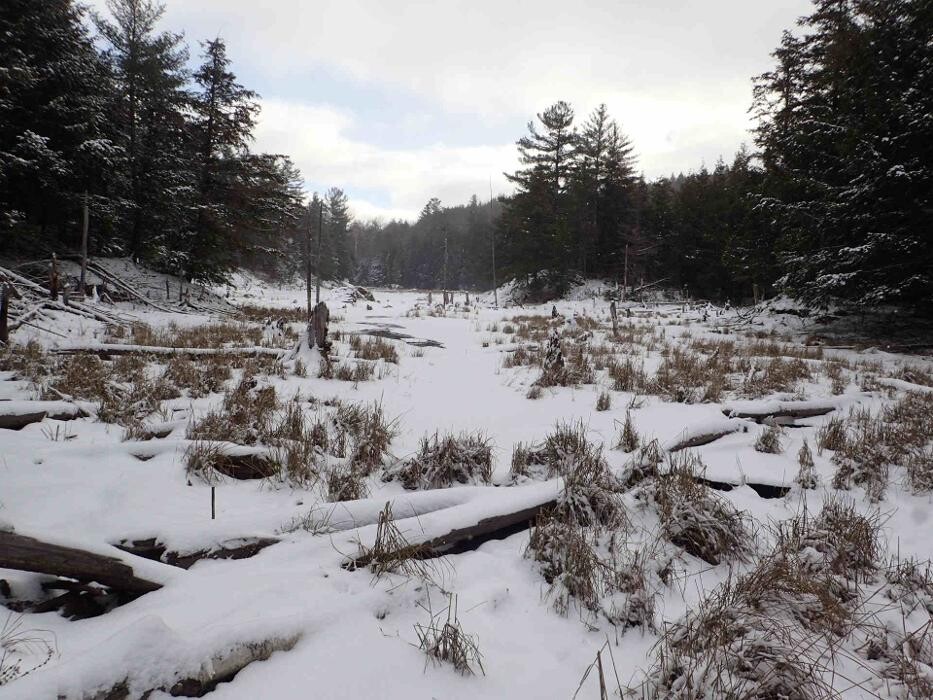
column 866, row 445
column 28, row 361
column 344, row 483
column 603, row 401
column 806, row 476
column 560, row 453
column 246, row 415
column 628, row 438
column 445, row 461
column 696, row 519
column 330, row 368
column 769, row 440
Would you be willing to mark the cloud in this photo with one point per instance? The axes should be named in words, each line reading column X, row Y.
column 675, row 73
column 316, row 138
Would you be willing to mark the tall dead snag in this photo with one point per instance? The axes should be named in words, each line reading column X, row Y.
column 7, row 292
column 320, row 317
column 53, row 278
column 84, row 232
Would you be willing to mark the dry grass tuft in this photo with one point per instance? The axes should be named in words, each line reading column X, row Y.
column 626, row 376
column 17, row 644
column 392, row 553
column 355, row 372
column 769, row 440
column 445, row 461
column 603, row 401
column 696, row 519
column 345, row 483
column 629, row 438
column 206, row 376
column 28, row 361
column 374, row 349
column 866, row 445
column 449, row 643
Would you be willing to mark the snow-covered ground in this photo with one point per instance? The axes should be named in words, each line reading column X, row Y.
column 78, row 483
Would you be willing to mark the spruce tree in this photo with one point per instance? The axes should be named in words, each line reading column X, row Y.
column 149, row 109
column 224, row 116
column 54, row 144
column 846, row 135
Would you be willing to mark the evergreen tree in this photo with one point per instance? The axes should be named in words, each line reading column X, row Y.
column 340, row 264
column 536, row 224
column 603, row 179
column 149, row 110
column 54, row 143
column 847, row 138
column 224, row 115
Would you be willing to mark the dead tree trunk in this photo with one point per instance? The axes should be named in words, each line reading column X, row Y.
column 84, row 232
column 615, row 319
column 53, row 278
column 320, row 317
column 7, row 292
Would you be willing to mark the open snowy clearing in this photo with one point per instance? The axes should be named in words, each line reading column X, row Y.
column 699, row 394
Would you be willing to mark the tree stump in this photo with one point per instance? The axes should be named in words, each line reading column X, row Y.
column 320, row 316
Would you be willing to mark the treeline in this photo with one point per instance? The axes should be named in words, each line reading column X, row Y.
column 445, row 243
column 114, row 121
column 834, row 205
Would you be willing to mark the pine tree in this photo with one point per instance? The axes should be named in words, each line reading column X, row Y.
column 603, row 178
column 149, row 116
column 224, row 116
column 341, row 262
column 536, row 224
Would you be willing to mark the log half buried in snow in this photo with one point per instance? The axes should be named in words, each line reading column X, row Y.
column 29, row 554
column 778, row 411
column 15, row 415
column 115, row 349
column 239, row 548
column 469, row 537
column 222, row 667
column 705, row 433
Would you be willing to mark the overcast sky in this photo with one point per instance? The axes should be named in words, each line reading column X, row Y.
column 396, row 101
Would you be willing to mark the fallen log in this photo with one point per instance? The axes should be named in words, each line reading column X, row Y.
column 115, row 349
column 468, row 538
column 16, row 415
column 763, row 411
column 704, row 433
column 29, row 554
column 220, row 668
column 241, row 548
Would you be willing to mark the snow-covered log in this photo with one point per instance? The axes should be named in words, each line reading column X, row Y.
column 28, row 554
column 114, row 349
column 15, row 415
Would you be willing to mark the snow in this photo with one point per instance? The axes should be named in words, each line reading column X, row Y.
column 356, row 635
